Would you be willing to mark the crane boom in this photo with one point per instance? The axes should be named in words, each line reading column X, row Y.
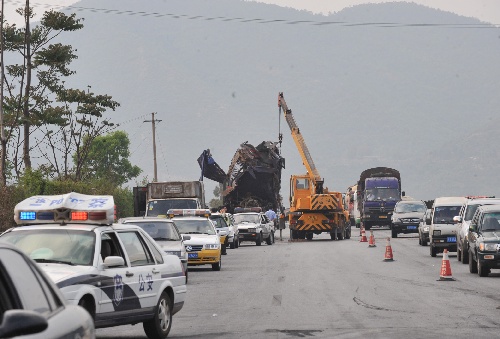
column 299, row 140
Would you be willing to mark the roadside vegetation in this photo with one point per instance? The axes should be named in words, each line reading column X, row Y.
column 55, row 139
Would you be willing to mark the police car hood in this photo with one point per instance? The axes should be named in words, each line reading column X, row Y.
column 60, row 272
column 201, row 239
column 169, row 246
column 246, row 225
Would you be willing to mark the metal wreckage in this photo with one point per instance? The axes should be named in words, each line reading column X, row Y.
column 253, row 178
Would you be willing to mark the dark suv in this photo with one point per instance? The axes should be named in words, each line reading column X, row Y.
column 484, row 240
column 407, row 216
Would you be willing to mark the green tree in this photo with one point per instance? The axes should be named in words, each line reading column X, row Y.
column 217, row 201
column 108, row 159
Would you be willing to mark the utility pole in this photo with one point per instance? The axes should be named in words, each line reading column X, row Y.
column 3, row 141
column 153, row 121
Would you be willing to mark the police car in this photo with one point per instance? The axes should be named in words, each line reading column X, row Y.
column 116, row 272
column 204, row 246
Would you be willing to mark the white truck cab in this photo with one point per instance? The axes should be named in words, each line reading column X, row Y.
column 442, row 228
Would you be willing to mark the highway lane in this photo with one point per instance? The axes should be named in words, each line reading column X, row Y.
column 344, row 289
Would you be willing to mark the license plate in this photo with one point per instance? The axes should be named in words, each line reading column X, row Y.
column 383, row 216
column 192, row 255
column 451, row 239
column 411, row 227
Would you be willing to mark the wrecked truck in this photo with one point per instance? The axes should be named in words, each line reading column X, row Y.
column 253, row 178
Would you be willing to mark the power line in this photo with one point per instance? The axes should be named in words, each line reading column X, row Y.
column 261, row 20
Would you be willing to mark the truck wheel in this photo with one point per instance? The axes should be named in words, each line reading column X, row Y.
column 433, row 251
column 160, row 325
column 348, row 233
column 217, row 266
column 332, row 235
column 341, row 234
column 258, row 240
column 394, row 233
column 309, row 235
column 472, row 264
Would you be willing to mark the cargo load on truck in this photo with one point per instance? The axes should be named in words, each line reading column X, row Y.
column 379, row 189
column 253, row 178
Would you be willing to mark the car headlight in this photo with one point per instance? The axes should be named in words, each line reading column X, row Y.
column 487, row 246
column 252, row 230
column 426, row 229
column 222, row 233
column 212, row 246
column 367, row 215
column 436, row 232
column 396, row 220
column 177, row 253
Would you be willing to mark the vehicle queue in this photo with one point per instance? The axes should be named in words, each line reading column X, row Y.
column 126, row 272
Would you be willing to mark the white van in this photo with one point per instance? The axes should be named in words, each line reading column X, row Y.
column 442, row 230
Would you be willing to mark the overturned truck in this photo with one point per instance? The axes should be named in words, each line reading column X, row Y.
column 253, row 178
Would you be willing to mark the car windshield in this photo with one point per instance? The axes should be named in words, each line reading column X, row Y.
column 161, row 207
column 445, row 214
column 410, row 207
column 159, row 230
column 72, row 247
column 219, row 222
column 246, row 218
column 491, row 222
column 190, row 226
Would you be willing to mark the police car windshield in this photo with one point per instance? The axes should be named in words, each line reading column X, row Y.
column 73, row 247
column 219, row 222
column 159, row 230
column 246, row 218
column 203, row 226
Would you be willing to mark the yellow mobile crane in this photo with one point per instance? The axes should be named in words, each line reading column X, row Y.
column 313, row 209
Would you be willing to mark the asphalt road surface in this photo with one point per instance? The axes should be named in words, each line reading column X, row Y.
column 342, row 289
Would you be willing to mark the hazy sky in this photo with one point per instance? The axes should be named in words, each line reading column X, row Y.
column 484, row 10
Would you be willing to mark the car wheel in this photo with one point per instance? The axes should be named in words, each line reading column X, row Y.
column 159, row 326
column 217, row 266
column 224, row 249
column 424, row 241
column 232, row 244
column 465, row 256
column 186, row 276
column 394, row 233
column 237, row 244
column 258, row 241
column 481, row 270
column 269, row 239
column 419, row 240
column 88, row 305
column 472, row 264
column 433, row 251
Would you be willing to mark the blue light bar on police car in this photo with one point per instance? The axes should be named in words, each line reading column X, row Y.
column 66, row 208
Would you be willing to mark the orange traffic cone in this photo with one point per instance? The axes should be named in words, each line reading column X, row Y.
column 388, row 251
column 445, row 267
column 363, row 235
column 371, row 243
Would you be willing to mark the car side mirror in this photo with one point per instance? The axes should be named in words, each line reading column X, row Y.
column 22, row 322
column 457, row 219
column 428, row 221
column 114, row 261
column 186, row 237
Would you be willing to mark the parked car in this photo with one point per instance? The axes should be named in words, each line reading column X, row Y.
column 117, row 272
column 225, row 226
column 463, row 222
column 407, row 216
column 442, row 229
column 423, row 228
column 253, row 225
column 31, row 304
column 165, row 233
column 204, row 247
column 484, row 240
